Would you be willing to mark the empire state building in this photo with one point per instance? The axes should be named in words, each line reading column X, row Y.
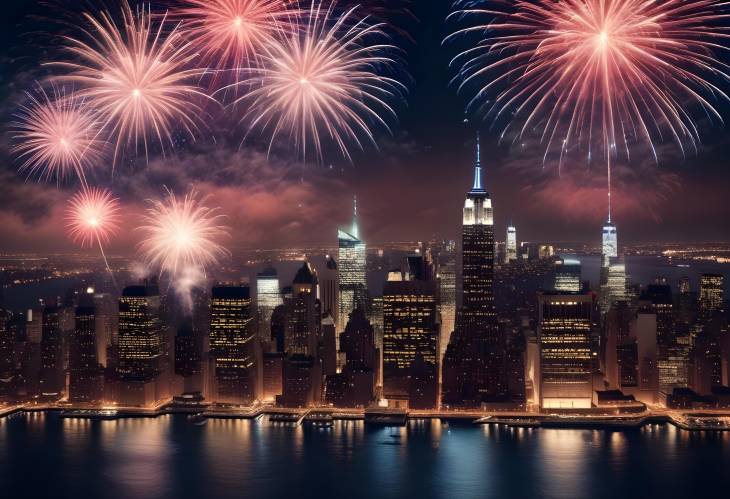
column 478, row 311
column 473, row 367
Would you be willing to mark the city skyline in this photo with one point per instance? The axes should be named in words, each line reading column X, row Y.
column 364, row 248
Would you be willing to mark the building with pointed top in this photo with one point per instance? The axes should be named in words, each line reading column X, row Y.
column 474, row 362
column 478, row 254
column 351, row 272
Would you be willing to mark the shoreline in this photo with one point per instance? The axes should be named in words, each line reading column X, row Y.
column 697, row 420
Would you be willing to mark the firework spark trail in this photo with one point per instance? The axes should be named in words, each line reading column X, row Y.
column 616, row 73
column 180, row 234
column 140, row 78
column 55, row 135
column 230, row 34
column 92, row 218
column 329, row 81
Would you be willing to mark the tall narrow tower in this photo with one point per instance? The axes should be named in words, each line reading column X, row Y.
column 511, row 250
column 351, row 272
column 478, row 255
column 610, row 238
column 474, row 367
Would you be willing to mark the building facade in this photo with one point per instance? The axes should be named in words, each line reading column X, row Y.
column 232, row 343
column 564, row 336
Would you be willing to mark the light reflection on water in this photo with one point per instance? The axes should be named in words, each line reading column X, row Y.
column 43, row 455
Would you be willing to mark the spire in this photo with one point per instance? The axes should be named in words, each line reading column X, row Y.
column 609, row 205
column 355, row 231
column 478, row 186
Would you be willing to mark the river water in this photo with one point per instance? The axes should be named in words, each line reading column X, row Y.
column 42, row 455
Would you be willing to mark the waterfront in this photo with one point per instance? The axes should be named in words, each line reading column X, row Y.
column 42, row 455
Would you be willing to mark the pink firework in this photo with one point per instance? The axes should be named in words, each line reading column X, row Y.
column 331, row 81
column 230, row 34
column 180, row 234
column 56, row 136
column 140, row 78
column 610, row 74
column 93, row 217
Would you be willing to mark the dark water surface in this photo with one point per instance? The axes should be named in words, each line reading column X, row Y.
column 42, row 455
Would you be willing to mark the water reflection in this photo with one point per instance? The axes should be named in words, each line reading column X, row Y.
column 169, row 457
column 141, row 450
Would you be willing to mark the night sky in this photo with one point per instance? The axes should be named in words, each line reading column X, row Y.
column 412, row 188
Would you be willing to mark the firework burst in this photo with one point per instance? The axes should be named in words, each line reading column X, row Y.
column 139, row 77
column 93, row 217
column 325, row 83
column 180, row 234
column 56, row 136
column 604, row 74
column 230, row 34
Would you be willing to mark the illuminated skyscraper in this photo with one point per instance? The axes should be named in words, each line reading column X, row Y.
column 140, row 338
column 232, row 343
column 447, row 292
column 568, row 275
column 474, row 361
column 410, row 329
column 711, row 294
column 613, row 283
column 268, row 297
column 478, row 255
column 351, row 271
column 610, row 242
column 511, row 251
column 565, row 351
column 478, row 315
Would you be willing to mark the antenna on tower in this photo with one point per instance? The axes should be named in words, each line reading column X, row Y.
column 609, row 187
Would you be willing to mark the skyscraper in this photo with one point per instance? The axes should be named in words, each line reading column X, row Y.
column 268, row 297
column 329, row 288
column 232, row 343
column 474, row 361
column 565, row 351
column 610, row 242
column 305, row 319
column 410, row 330
column 711, row 294
column 140, row 337
column 351, row 272
column 478, row 255
column 447, row 292
column 85, row 381
column 613, row 270
column 511, row 250
column 568, row 275
column 52, row 380
column 478, row 315
column 7, row 366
